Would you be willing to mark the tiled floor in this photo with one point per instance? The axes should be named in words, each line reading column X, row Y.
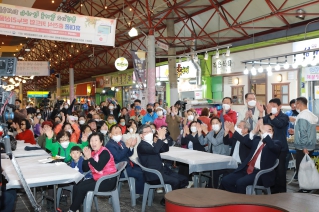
column 23, row 204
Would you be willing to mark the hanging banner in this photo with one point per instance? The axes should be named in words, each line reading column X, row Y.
column 139, row 64
column 52, row 25
column 33, row 68
column 311, row 73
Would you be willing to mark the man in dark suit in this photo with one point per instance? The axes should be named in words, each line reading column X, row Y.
column 149, row 155
column 121, row 152
column 263, row 155
column 280, row 122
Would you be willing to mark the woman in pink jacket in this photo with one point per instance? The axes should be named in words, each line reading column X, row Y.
column 161, row 119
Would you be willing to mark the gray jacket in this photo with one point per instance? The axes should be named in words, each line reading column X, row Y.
column 305, row 130
column 216, row 144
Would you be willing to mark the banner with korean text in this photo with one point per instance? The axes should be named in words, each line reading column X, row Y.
column 52, row 25
column 33, row 68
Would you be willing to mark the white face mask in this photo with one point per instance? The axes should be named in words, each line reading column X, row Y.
column 122, row 123
column 172, row 114
column 38, row 111
column 148, row 138
column 117, row 138
column 252, row 103
column 226, row 107
column 154, row 131
column 274, row 110
column 65, row 144
column 39, row 117
column 194, row 129
column 81, row 122
column 265, row 134
column 111, row 107
column 131, row 130
column 66, row 107
column 159, row 113
column 298, row 110
column 111, row 121
column 216, row 127
column 70, row 131
column 190, row 117
column 103, row 131
column 238, row 130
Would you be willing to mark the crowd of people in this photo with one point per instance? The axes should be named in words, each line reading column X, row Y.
column 93, row 141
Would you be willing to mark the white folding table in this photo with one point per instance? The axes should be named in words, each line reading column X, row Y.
column 199, row 161
column 37, row 174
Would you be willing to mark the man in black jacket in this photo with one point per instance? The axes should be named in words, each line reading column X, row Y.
column 112, row 109
column 149, row 156
column 263, row 155
column 280, row 121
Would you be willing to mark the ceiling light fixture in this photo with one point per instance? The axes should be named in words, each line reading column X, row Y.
column 246, row 70
column 133, row 32
column 217, row 54
column 286, row 66
column 206, row 56
column 314, row 61
column 277, row 67
column 260, row 69
column 228, row 52
column 253, row 70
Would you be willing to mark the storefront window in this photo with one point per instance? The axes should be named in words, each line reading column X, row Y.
column 281, row 91
column 237, row 94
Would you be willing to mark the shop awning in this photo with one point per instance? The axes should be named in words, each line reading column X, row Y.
column 85, row 89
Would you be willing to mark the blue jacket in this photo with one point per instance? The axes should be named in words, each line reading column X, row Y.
column 119, row 153
column 268, row 158
column 280, row 123
column 149, row 118
column 79, row 165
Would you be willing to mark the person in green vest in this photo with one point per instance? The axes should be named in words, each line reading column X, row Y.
column 63, row 146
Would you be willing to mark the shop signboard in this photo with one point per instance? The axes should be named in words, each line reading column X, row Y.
column 306, row 45
column 184, row 70
column 33, row 68
column 222, row 65
column 103, row 81
column 58, row 26
column 311, row 73
column 139, row 64
column 121, row 63
column 198, row 94
column 38, row 94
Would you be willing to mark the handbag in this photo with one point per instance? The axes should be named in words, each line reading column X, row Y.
column 308, row 176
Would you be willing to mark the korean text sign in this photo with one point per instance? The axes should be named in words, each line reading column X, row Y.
column 52, row 25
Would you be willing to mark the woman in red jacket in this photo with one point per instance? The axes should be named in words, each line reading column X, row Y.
column 24, row 132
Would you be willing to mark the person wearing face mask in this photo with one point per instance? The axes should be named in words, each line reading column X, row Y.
column 103, row 128
column 63, row 146
column 150, row 116
column 280, row 122
column 122, row 152
column 20, row 112
column 191, row 138
column 124, row 114
column 161, row 119
column 149, row 156
column 132, row 133
column 239, row 151
column 67, row 110
column 71, row 126
column 263, row 155
column 173, row 121
column 305, row 134
column 122, row 125
column 249, row 113
column 141, row 111
column 82, row 120
column 292, row 114
column 110, row 121
column 214, row 138
column 226, row 114
column 112, row 109
column 190, row 115
column 138, row 117
column 204, row 117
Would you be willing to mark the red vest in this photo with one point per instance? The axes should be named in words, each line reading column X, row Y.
column 108, row 169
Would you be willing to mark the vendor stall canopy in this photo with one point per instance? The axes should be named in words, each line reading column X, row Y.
column 198, row 24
